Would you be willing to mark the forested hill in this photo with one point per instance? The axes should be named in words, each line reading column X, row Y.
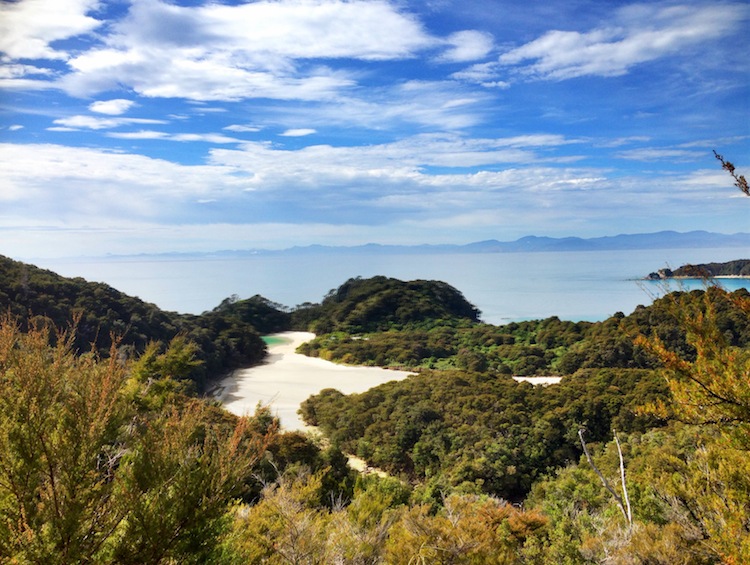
column 34, row 295
column 738, row 268
column 382, row 303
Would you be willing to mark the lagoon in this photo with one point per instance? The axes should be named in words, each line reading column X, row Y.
column 573, row 285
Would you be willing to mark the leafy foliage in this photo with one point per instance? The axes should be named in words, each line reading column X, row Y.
column 380, row 303
column 265, row 316
column 102, row 313
column 88, row 475
column 479, row 433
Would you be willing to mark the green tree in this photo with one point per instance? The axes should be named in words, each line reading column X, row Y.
column 89, row 476
column 61, row 423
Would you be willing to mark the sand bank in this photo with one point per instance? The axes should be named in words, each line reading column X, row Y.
column 287, row 378
column 538, row 380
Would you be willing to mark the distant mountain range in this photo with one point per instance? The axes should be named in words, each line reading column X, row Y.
column 658, row 240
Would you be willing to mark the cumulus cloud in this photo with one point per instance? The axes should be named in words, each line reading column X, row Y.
column 111, row 107
column 253, row 50
column 29, row 27
column 637, row 34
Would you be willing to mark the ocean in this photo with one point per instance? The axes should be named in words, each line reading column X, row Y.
column 572, row 285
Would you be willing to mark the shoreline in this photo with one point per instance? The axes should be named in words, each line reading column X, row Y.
column 286, row 379
column 684, row 277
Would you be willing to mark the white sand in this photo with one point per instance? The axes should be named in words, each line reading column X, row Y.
column 287, row 378
column 538, row 380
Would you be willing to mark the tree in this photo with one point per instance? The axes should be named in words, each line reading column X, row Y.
column 87, row 475
column 61, row 424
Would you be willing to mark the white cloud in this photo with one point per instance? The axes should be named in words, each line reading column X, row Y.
column 15, row 127
column 380, row 191
column 18, row 70
column 271, row 168
column 243, row 128
column 84, row 186
column 441, row 105
column 638, row 34
column 96, row 123
column 659, row 154
column 206, row 137
column 111, row 107
column 303, row 29
column 298, row 132
column 24, row 77
column 29, row 27
column 467, row 46
column 183, row 137
column 253, row 50
column 199, row 74
column 142, row 134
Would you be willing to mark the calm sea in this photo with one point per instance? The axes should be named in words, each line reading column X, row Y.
column 589, row 285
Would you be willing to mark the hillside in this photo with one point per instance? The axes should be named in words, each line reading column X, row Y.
column 33, row 295
column 382, row 303
column 738, row 268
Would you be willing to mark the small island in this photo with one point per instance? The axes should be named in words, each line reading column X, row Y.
column 739, row 268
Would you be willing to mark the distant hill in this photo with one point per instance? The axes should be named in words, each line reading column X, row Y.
column 738, row 268
column 531, row 243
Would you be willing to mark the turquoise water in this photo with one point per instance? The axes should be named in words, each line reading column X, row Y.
column 273, row 340
column 590, row 285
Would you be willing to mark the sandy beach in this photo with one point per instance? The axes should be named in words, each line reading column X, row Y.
column 287, row 378
column 541, row 381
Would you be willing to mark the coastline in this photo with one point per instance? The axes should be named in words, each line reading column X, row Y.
column 286, row 379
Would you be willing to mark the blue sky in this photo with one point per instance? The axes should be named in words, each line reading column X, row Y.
column 153, row 126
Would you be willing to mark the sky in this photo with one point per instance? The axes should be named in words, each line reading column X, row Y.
column 150, row 126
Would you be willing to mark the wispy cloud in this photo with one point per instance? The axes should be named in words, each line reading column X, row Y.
column 637, row 34
column 298, row 132
column 467, row 46
column 96, row 123
column 183, row 137
column 662, row 154
column 243, row 128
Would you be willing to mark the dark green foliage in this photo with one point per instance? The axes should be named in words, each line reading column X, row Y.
column 738, row 268
column 478, row 432
column 35, row 295
column 265, row 316
column 542, row 347
column 380, row 303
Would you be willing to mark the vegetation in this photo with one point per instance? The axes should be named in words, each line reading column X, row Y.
column 35, row 296
column 544, row 347
column 738, row 268
column 382, row 303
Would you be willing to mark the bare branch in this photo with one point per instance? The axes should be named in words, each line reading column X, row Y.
column 605, row 482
